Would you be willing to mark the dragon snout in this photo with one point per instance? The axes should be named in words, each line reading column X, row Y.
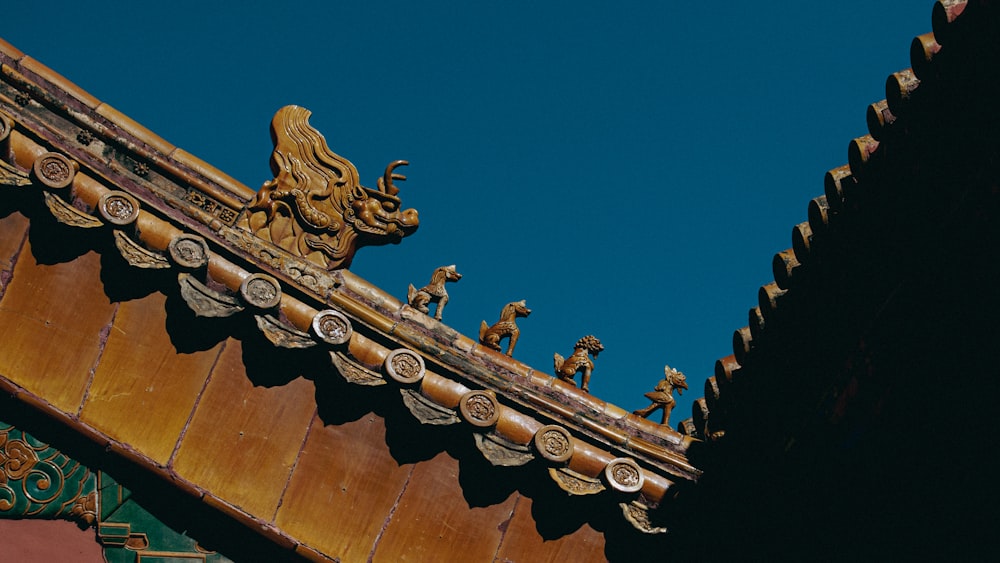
column 409, row 220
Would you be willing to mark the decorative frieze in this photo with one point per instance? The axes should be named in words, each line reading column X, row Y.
column 575, row 483
column 136, row 255
column 353, row 371
column 426, row 410
column 282, row 335
column 204, row 301
column 69, row 215
column 38, row 481
column 501, row 451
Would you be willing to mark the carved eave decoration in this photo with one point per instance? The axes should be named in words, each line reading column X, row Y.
column 276, row 259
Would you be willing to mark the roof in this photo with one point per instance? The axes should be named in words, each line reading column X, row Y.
column 180, row 344
column 918, row 190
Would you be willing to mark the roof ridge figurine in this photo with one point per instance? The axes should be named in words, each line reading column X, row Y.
column 490, row 336
column 315, row 207
column 662, row 395
column 433, row 292
column 566, row 369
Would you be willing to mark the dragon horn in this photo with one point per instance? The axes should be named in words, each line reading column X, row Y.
column 388, row 177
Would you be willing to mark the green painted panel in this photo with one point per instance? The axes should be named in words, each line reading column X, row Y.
column 38, row 481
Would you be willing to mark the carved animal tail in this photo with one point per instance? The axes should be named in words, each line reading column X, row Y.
column 410, row 293
column 558, row 360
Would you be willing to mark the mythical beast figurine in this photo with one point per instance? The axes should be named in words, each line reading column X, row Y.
column 433, row 292
column 567, row 368
column 315, row 207
column 663, row 394
column 490, row 336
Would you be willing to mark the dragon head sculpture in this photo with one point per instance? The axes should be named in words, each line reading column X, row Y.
column 315, row 206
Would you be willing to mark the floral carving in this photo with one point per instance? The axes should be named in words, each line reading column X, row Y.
column 85, row 137
column 282, row 335
column 426, row 410
column 204, row 301
column 37, row 481
column 315, row 207
column 638, row 515
column 16, row 460
column 353, row 371
column 304, row 273
column 574, row 483
column 69, row 215
column 502, row 452
column 136, row 255
column 11, row 176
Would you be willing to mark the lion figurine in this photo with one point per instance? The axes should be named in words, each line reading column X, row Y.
column 566, row 369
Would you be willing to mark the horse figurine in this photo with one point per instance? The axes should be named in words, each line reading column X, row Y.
column 662, row 396
column 434, row 292
column 578, row 361
column 490, row 336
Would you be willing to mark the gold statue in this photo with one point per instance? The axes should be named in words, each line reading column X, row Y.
column 315, row 207
column 662, row 396
column 566, row 369
column 434, row 292
column 490, row 336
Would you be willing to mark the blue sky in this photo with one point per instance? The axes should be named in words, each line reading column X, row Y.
column 630, row 171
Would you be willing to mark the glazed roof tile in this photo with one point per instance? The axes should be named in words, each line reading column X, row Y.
column 165, row 194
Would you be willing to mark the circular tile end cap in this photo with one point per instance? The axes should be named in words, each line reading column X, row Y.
column 554, row 443
column 332, row 327
column 405, row 366
column 479, row 408
column 118, row 208
column 189, row 251
column 54, row 170
column 624, row 475
column 261, row 291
